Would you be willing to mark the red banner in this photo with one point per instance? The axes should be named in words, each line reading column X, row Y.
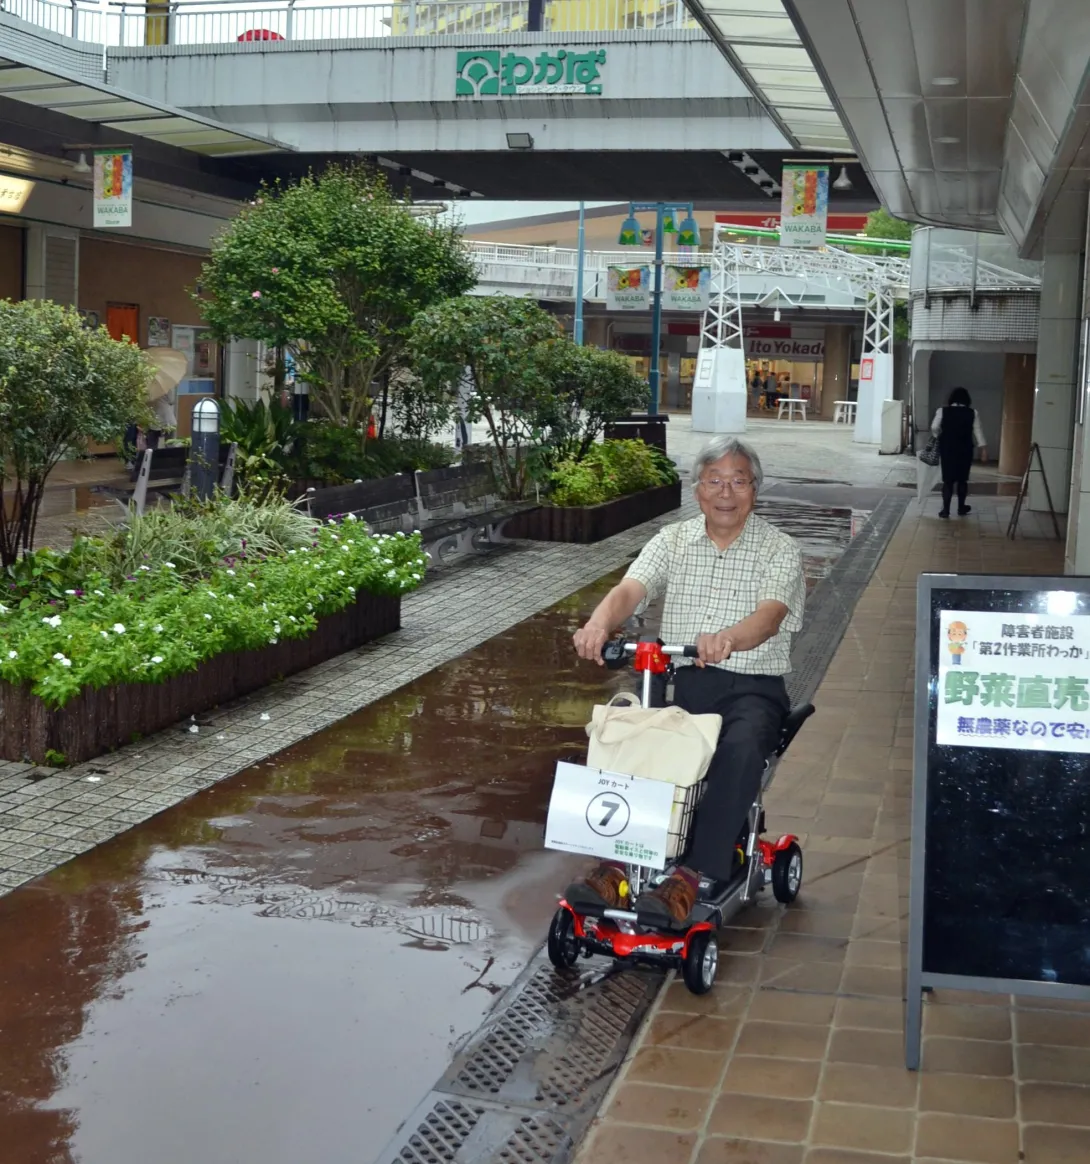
column 767, row 220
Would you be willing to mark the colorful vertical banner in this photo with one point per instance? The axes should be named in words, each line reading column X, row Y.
column 804, row 211
column 113, row 188
column 628, row 289
column 686, row 288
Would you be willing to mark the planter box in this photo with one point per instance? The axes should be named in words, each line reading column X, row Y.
column 100, row 721
column 593, row 523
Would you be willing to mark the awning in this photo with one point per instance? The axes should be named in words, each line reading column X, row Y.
column 99, row 104
column 760, row 40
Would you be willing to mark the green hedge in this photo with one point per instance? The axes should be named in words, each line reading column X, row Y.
column 610, row 469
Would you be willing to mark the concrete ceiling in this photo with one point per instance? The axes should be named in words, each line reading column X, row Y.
column 966, row 113
column 620, row 176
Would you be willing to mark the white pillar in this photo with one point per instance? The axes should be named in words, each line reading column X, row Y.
column 719, row 391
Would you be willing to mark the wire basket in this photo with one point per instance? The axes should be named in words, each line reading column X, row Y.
column 681, row 817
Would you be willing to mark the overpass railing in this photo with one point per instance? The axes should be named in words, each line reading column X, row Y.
column 961, row 260
column 200, row 22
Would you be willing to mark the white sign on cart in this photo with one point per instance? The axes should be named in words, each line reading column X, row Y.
column 604, row 814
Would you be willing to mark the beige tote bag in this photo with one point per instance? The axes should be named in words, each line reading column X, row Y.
column 658, row 743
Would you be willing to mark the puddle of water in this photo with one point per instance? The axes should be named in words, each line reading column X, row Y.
column 288, row 959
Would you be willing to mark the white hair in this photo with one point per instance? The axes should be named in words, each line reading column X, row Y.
column 728, row 446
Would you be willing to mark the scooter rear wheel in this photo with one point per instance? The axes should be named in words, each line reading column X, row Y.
column 787, row 874
column 563, row 945
column 701, row 962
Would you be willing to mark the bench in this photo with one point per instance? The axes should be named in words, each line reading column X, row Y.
column 456, row 509
column 168, row 470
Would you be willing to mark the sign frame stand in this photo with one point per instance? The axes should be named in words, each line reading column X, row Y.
column 920, row 980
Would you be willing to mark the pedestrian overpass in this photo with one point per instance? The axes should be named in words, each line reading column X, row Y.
column 571, row 99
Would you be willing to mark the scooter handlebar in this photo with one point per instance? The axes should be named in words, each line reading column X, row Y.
column 615, row 652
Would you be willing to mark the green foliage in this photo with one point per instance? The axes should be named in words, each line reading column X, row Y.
column 494, row 342
column 420, row 410
column 266, row 435
column 55, row 759
column 332, row 269
column 162, row 621
column 336, row 455
column 61, row 385
column 610, row 469
column 589, row 388
column 882, row 224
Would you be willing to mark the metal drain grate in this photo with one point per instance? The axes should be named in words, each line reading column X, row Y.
column 829, row 609
column 552, row 1044
column 441, row 1133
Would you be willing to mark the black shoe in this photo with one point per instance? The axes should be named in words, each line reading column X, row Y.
column 964, row 510
column 944, row 513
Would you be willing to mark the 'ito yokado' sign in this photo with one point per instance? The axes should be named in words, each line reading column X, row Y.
column 1014, row 681
column 491, row 73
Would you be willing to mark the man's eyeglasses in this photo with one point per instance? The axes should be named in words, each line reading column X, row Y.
column 718, row 484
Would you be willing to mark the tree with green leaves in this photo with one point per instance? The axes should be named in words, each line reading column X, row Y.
column 332, row 269
column 882, row 224
column 61, row 385
column 492, row 342
column 589, row 388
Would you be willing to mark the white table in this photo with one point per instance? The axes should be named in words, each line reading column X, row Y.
column 844, row 410
column 791, row 404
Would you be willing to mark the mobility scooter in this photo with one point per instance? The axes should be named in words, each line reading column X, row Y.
column 618, row 933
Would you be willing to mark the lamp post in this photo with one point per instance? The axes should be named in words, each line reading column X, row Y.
column 580, row 259
column 688, row 235
column 205, row 456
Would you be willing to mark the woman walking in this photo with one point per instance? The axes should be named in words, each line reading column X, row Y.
column 957, row 427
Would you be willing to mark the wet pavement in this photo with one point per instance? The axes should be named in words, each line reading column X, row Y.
column 277, row 969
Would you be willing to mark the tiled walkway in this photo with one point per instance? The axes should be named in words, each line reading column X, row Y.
column 796, row 1057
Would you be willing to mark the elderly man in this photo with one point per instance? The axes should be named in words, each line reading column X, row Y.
column 734, row 587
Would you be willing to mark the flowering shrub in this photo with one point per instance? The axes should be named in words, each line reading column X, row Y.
column 158, row 622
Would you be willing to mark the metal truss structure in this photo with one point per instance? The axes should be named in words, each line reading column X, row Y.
column 880, row 280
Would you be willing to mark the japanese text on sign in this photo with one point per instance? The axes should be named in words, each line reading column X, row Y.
column 1014, row 681
column 490, row 73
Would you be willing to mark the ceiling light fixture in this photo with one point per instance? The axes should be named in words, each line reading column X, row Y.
column 945, row 80
column 520, row 141
column 776, row 315
column 947, row 140
column 843, row 182
column 80, row 166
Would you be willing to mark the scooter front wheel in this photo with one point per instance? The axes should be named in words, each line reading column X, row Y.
column 701, row 962
column 563, row 945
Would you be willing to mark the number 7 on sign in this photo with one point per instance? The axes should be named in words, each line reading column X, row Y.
column 611, row 807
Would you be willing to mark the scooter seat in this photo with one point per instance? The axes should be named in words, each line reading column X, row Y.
column 794, row 720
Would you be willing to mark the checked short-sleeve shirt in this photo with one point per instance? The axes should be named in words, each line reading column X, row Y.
column 708, row 590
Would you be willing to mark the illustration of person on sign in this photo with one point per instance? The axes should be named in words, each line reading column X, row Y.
column 956, row 633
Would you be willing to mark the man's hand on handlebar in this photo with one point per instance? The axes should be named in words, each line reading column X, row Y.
column 589, row 641
column 713, row 648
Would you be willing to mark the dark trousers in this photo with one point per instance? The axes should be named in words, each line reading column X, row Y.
column 948, row 488
column 753, row 708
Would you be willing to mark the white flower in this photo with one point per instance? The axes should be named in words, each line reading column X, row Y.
column 54, row 621
column 251, row 585
column 293, row 618
column 158, row 628
column 340, row 573
column 157, row 658
column 59, row 657
column 391, row 573
column 209, row 617
column 399, row 534
column 211, row 595
column 291, row 553
column 231, row 572
column 309, row 607
column 230, row 596
column 416, row 577
column 13, row 654
column 273, row 641
column 119, row 628
column 351, row 517
column 310, row 489
column 346, row 549
column 169, row 565
column 66, row 662
column 105, row 634
column 100, row 594
column 69, row 592
column 148, row 568
column 4, row 609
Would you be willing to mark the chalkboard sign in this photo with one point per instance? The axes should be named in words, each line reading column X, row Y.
column 1000, row 889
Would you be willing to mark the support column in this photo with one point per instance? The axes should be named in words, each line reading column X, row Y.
column 1057, row 365
column 719, row 387
column 1015, row 434
column 837, row 372
column 875, row 368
